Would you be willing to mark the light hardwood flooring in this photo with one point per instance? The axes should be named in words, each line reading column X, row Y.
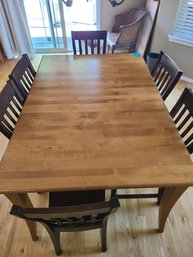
column 132, row 231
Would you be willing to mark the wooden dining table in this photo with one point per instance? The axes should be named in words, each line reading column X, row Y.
column 95, row 122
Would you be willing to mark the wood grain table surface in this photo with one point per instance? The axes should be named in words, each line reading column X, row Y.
column 93, row 122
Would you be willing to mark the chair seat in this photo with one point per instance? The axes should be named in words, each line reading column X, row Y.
column 69, row 198
column 112, row 41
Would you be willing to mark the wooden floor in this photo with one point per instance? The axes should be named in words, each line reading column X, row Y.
column 132, row 231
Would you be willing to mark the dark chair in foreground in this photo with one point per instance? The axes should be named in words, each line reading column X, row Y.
column 23, row 75
column 182, row 114
column 11, row 102
column 125, row 32
column 166, row 74
column 72, row 211
column 85, row 42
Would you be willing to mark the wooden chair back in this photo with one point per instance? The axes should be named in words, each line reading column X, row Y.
column 11, row 102
column 85, row 42
column 166, row 74
column 23, row 75
column 71, row 218
column 182, row 114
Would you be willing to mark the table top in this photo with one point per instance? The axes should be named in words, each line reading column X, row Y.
column 94, row 122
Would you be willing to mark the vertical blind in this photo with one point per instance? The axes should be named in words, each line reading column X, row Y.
column 183, row 27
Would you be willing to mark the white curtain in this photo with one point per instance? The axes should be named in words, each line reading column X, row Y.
column 14, row 33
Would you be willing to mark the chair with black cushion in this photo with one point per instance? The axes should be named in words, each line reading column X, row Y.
column 72, row 211
column 89, row 42
column 125, row 32
column 23, row 75
column 11, row 102
column 166, row 74
column 182, row 114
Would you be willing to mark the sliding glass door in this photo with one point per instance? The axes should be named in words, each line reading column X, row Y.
column 81, row 16
column 51, row 22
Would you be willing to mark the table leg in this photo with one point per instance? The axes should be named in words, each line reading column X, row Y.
column 24, row 201
column 169, row 198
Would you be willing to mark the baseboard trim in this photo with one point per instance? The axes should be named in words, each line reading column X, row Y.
column 187, row 79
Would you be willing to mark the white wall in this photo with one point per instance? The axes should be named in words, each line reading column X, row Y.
column 182, row 55
column 108, row 12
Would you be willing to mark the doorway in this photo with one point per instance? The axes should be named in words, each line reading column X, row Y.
column 51, row 22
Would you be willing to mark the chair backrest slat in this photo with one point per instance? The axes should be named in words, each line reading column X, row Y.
column 7, row 124
column 190, row 148
column 16, row 104
column 91, row 39
column 166, row 74
column 190, row 138
column 10, row 117
column 184, row 122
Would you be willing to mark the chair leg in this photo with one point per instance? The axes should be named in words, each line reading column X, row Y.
column 104, row 235
column 55, row 237
column 113, row 192
column 108, row 48
column 160, row 194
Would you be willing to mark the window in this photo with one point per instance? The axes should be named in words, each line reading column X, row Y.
column 183, row 27
column 51, row 22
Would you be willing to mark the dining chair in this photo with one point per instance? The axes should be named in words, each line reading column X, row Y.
column 182, row 115
column 11, row 102
column 125, row 32
column 166, row 74
column 23, row 75
column 85, row 42
column 71, row 212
